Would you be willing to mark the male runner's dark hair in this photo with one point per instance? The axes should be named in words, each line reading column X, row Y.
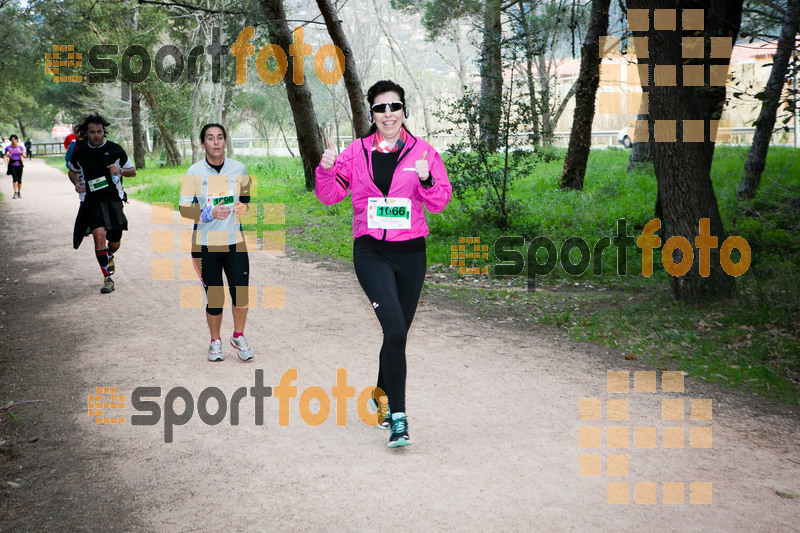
column 96, row 119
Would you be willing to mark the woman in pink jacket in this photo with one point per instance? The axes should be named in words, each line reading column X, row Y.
column 392, row 178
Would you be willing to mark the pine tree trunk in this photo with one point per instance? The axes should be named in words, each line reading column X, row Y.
column 529, row 59
column 549, row 129
column 305, row 119
column 462, row 60
column 683, row 168
column 136, row 114
column 197, row 153
column 225, row 108
column 491, row 67
column 641, row 152
column 400, row 56
column 757, row 157
column 580, row 139
column 23, row 134
column 156, row 142
column 352, row 81
column 136, row 128
column 545, row 106
column 173, row 154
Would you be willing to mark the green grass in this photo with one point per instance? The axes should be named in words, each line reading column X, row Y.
column 56, row 161
column 752, row 342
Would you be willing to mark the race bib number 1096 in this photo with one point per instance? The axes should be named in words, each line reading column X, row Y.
column 214, row 201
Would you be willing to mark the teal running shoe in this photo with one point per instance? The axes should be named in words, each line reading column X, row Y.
column 399, row 436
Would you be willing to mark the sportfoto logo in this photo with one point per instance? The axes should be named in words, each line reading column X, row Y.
column 143, row 400
column 136, row 64
column 512, row 262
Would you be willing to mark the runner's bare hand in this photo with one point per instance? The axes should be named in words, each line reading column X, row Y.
column 240, row 209
column 421, row 166
column 328, row 157
column 221, row 212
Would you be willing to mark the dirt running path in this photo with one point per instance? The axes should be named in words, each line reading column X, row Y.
column 493, row 411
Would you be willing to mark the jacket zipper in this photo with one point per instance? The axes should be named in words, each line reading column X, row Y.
column 372, row 176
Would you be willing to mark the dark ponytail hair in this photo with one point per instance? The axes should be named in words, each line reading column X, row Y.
column 378, row 88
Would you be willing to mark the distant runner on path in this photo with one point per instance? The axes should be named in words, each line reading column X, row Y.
column 102, row 165
column 392, row 177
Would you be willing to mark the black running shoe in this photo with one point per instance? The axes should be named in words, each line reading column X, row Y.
column 108, row 286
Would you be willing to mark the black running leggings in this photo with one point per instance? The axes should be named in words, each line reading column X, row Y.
column 16, row 173
column 236, row 265
column 393, row 283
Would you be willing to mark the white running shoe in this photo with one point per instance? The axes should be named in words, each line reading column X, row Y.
column 215, row 351
column 242, row 348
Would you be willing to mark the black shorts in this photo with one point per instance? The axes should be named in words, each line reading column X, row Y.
column 108, row 215
column 16, row 173
column 235, row 262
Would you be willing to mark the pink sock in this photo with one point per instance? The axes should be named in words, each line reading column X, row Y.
column 237, row 334
column 220, row 340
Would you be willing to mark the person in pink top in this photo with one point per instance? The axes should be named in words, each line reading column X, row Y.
column 392, row 178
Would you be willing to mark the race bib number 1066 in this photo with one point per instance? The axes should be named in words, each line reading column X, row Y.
column 389, row 213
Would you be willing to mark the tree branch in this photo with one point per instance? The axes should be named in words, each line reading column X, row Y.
column 564, row 102
column 509, row 5
column 191, row 7
column 780, row 9
column 765, row 14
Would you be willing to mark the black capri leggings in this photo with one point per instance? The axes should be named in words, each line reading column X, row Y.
column 393, row 282
column 16, row 173
column 236, row 264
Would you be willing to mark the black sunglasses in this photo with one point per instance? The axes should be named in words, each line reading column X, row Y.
column 382, row 108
